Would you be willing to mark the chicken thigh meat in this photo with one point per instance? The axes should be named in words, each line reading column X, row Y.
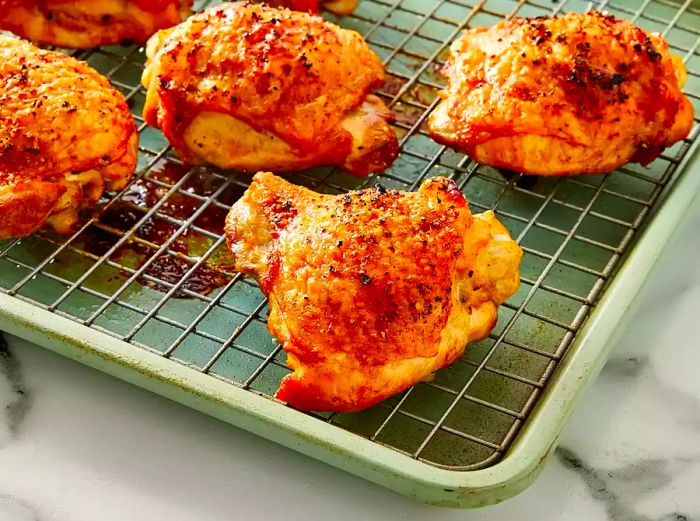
column 90, row 23
column 250, row 87
column 66, row 135
column 559, row 95
column 371, row 291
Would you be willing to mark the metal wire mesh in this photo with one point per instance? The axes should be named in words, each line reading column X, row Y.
column 143, row 268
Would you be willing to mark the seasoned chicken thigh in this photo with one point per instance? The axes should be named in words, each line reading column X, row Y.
column 578, row 93
column 339, row 7
column 252, row 87
column 90, row 23
column 371, row 291
column 65, row 136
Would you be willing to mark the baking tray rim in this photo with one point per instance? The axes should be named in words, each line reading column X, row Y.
column 524, row 460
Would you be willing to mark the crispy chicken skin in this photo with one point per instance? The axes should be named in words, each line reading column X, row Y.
column 65, row 136
column 248, row 87
column 90, row 23
column 339, row 7
column 371, row 291
column 578, row 93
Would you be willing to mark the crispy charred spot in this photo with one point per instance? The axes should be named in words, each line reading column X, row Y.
column 653, row 54
column 590, row 89
column 365, row 279
column 615, row 79
column 545, row 36
column 305, row 61
column 524, row 93
column 450, row 191
column 281, row 211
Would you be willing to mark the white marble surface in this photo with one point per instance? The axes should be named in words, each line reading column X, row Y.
column 78, row 445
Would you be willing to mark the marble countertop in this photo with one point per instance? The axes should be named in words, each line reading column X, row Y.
column 79, row 445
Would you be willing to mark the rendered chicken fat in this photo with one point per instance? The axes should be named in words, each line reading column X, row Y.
column 248, row 86
column 371, row 291
column 66, row 135
column 90, row 23
column 576, row 93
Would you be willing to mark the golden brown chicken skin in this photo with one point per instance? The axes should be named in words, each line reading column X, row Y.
column 251, row 87
column 90, row 23
column 339, row 7
column 65, row 136
column 371, row 291
column 578, row 93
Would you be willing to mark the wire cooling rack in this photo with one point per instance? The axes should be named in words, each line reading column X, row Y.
column 150, row 267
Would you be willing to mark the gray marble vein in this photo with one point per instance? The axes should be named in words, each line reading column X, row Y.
column 17, row 401
column 686, row 406
column 13, row 508
column 620, row 489
column 628, row 367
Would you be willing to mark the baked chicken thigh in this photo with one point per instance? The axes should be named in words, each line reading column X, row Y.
column 339, row 7
column 65, row 136
column 251, row 87
column 371, row 291
column 90, row 23
column 578, row 93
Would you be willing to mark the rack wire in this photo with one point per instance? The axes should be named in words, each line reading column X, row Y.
column 142, row 268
